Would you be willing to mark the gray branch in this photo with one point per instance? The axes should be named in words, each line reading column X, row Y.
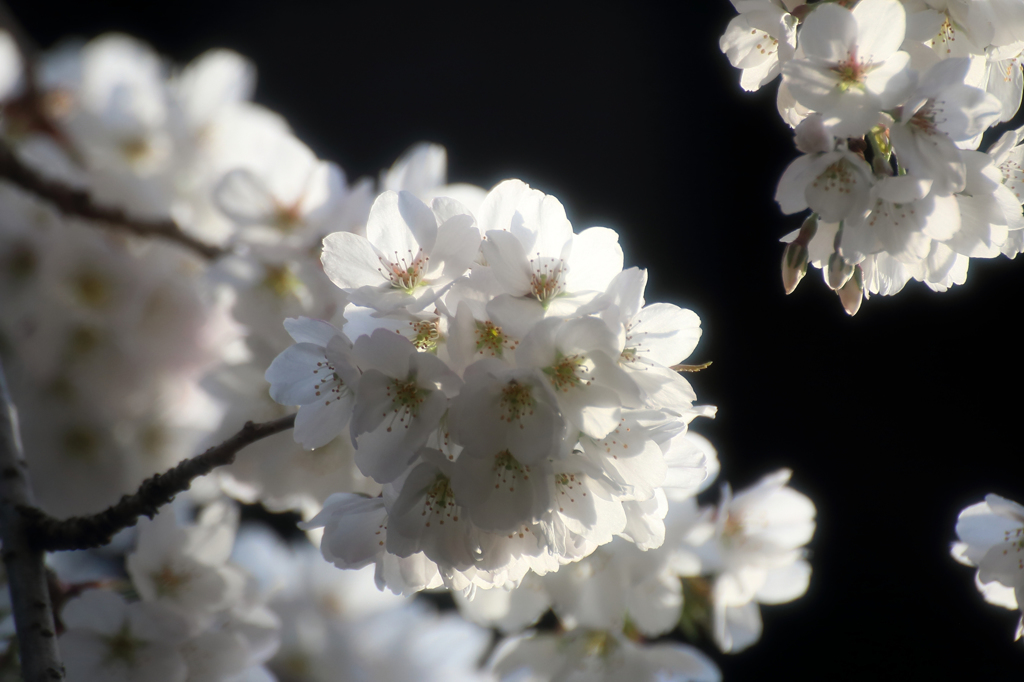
column 78, row 203
column 96, row 530
column 26, row 571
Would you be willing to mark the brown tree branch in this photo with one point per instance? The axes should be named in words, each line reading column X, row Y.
column 26, row 571
column 83, row 532
column 76, row 202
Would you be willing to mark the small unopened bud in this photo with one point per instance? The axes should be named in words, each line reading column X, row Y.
column 882, row 146
column 808, row 229
column 839, row 271
column 852, row 292
column 794, row 265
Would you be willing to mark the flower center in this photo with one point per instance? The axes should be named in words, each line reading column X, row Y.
column 281, row 280
column 516, row 402
column 91, row 289
column 1013, row 177
column 490, row 338
column 83, row 340
column 134, row 149
column 1015, row 538
column 121, row 646
column 406, row 398
column 286, row 218
column 732, row 527
column 568, row 487
column 20, row 263
column 330, row 387
column 440, row 502
column 168, row 582
column 81, row 442
column 153, row 438
column 925, row 118
column 851, row 72
column 507, row 469
column 598, row 643
column 547, row 279
column 768, row 45
column 837, row 177
column 426, row 334
column 945, row 37
column 565, row 373
column 405, row 272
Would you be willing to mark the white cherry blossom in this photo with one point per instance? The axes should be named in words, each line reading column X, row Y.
column 576, row 356
column 110, row 639
column 835, row 184
column 185, row 568
column 401, row 397
column 754, row 553
column 852, row 67
column 941, row 113
column 991, row 537
column 758, row 40
column 306, row 375
column 290, row 192
column 543, row 268
column 410, row 254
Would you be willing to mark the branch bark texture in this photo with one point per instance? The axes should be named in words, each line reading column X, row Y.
column 75, row 202
column 96, row 530
column 26, row 572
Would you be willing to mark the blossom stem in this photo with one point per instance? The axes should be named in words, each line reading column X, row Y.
column 26, row 570
column 76, row 202
column 692, row 368
column 83, row 532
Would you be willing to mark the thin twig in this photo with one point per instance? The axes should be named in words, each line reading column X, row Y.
column 96, row 530
column 76, row 202
column 26, row 571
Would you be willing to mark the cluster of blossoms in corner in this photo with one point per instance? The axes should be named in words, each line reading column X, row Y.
column 890, row 101
column 198, row 615
column 504, row 382
column 991, row 537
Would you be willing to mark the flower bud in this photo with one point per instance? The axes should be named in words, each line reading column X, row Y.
column 794, row 258
column 794, row 265
column 852, row 293
column 811, row 136
column 839, row 271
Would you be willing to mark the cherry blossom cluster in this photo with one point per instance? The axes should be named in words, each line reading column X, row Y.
column 198, row 615
column 890, row 101
column 338, row 625
column 128, row 354
column 716, row 565
column 484, row 400
column 502, row 379
column 991, row 538
column 201, row 602
column 109, row 341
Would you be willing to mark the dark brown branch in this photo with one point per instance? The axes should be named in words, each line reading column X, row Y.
column 83, row 532
column 26, row 571
column 75, row 202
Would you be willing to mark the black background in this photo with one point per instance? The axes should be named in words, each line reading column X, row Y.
column 892, row 421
